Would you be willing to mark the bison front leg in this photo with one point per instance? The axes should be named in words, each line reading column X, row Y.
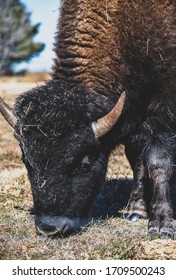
column 136, row 208
column 160, row 213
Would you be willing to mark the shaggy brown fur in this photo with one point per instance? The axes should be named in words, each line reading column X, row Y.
column 102, row 42
column 87, row 46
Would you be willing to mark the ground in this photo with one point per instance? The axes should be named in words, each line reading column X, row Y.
column 113, row 238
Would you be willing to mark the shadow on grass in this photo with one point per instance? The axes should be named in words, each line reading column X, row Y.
column 115, row 195
column 112, row 199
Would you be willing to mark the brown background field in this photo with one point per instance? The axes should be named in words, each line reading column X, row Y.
column 113, row 238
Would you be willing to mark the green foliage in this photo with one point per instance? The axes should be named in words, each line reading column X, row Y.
column 16, row 35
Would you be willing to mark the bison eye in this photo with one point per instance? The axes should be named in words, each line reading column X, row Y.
column 85, row 164
column 79, row 166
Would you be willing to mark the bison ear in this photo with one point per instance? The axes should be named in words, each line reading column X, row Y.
column 7, row 113
column 106, row 123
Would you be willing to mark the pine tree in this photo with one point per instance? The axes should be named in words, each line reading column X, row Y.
column 16, row 36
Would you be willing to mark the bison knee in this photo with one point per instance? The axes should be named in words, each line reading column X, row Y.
column 159, row 167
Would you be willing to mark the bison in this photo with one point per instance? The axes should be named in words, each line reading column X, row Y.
column 108, row 52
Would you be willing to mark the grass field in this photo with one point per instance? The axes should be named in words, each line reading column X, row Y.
column 113, row 238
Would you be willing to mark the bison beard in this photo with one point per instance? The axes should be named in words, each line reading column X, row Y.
column 102, row 50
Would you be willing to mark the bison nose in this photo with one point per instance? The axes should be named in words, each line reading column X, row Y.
column 53, row 226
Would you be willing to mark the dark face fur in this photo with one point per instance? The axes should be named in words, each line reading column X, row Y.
column 63, row 168
column 64, row 159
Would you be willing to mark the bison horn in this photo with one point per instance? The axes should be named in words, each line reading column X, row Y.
column 104, row 124
column 7, row 113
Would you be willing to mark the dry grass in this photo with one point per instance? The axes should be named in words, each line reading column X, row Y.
column 29, row 77
column 111, row 239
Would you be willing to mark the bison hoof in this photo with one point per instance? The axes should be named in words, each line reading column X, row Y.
column 167, row 234
column 163, row 233
column 126, row 216
column 133, row 217
column 53, row 226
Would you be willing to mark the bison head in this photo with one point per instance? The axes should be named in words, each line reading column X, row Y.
column 63, row 151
